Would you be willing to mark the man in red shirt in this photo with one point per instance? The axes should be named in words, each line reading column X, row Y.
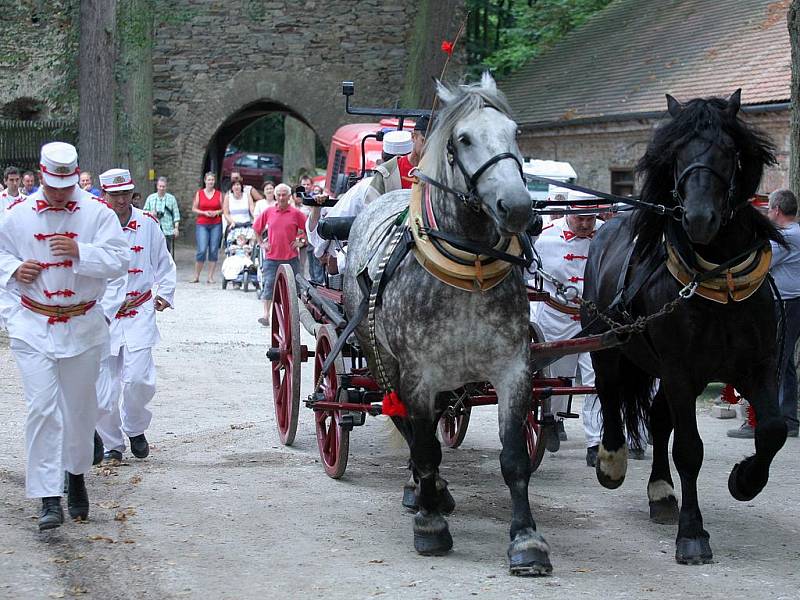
column 286, row 235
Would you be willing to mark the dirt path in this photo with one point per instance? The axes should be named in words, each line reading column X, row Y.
column 222, row 510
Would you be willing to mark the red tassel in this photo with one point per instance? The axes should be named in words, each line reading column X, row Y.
column 751, row 416
column 729, row 395
column 392, row 406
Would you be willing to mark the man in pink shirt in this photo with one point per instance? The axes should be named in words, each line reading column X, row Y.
column 286, row 235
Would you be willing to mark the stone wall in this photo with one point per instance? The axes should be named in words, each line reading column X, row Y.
column 38, row 49
column 594, row 150
column 207, row 65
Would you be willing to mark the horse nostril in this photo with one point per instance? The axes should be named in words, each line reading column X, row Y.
column 501, row 208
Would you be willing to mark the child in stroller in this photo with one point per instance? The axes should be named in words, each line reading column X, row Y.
column 242, row 255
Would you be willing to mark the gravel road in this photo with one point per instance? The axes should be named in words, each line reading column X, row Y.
column 221, row 510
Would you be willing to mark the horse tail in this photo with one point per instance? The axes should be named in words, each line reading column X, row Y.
column 636, row 391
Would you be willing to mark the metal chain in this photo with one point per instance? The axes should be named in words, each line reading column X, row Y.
column 568, row 294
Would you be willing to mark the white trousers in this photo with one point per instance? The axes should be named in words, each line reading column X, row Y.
column 131, row 374
column 62, row 410
column 568, row 366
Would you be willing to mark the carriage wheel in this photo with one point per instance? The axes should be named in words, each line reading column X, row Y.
column 285, row 353
column 453, row 425
column 534, row 437
column 332, row 440
column 535, row 434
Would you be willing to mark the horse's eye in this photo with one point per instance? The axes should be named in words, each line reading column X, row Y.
column 464, row 140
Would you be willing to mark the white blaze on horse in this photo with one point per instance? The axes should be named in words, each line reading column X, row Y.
column 442, row 319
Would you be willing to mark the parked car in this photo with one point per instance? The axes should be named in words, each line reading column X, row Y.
column 254, row 168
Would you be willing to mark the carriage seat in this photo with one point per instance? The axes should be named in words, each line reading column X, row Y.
column 335, row 228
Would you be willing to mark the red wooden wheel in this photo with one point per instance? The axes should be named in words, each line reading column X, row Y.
column 285, row 353
column 535, row 434
column 332, row 440
column 534, row 437
column 453, row 425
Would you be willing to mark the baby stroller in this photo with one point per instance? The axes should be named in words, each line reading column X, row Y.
column 240, row 266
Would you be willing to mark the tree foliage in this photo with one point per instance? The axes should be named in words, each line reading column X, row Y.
column 502, row 35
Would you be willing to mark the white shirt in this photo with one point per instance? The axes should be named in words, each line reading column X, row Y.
column 564, row 257
column 150, row 265
column 104, row 254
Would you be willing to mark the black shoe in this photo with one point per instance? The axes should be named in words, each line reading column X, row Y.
column 562, row 434
column 98, row 449
column 51, row 515
column 112, row 455
column 591, row 455
column 77, row 498
column 551, row 441
column 139, row 446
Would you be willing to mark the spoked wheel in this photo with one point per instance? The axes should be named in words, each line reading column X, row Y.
column 534, row 436
column 535, row 432
column 285, row 353
column 453, row 425
column 332, row 440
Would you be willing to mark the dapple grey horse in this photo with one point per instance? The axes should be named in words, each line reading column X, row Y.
column 432, row 337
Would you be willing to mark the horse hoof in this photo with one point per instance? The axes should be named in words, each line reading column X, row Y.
column 664, row 511
column 410, row 498
column 529, row 555
column 739, row 491
column 611, row 466
column 431, row 534
column 693, row 551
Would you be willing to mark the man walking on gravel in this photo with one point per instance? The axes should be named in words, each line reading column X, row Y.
column 129, row 370
column 58, row 249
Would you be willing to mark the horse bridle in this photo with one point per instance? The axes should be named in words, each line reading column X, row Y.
column 730, row 194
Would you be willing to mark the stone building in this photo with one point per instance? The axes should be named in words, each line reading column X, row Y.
column 594, row 97
column 218, row 66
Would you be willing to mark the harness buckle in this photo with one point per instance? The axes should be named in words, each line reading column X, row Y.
column 567, row 294
column 688, row 290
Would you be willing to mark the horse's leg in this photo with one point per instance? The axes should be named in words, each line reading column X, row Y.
column 660, row 488
column 692, row 545
column 446, row 502
column 612, row 457
column 749, row 477
column 528, row 552
column 431, row 533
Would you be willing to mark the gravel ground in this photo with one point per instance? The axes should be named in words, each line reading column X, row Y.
column 221, row 510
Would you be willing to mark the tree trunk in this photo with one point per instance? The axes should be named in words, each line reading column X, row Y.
column 96, row 128
column 298, row 150
column 134, row 143
column 436, row 21
column 793, row 21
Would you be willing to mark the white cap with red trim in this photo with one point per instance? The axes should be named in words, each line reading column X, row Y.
column 575, row 195
column 116, row 180
column 59, row 165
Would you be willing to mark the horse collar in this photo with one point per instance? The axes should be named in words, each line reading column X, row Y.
column 450, row 260
column 721, row 283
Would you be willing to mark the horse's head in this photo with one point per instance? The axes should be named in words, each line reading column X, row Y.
column 476, row 136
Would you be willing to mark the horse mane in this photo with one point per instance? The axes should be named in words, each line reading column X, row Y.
column 457, row 103
column 707, row 118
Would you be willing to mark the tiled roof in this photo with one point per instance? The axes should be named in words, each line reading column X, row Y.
column 626, row 57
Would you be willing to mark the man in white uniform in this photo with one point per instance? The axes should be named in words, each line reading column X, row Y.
column 563, row 247
column 353, row 201
column 129, row 369
column 58, row 249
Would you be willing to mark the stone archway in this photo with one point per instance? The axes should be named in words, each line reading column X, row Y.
column 318, row 104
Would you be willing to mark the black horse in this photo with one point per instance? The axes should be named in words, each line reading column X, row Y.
column 706, row 163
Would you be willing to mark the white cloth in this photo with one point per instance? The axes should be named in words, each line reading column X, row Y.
column 564, row 256
column 233, row 265
column 260, row 207
column 349, row 204
column 6, row 199
column 62, row 410
column 133, row 374
column 104, row 254
column 151, row 265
